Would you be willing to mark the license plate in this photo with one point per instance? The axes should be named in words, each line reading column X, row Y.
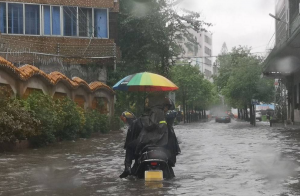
column 156, row 175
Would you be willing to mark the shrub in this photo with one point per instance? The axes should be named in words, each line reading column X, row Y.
column 43, row 120
column 42, row 108
column 15, row 122
column 71, row 119
column 104, row 123
column 100, row 122
column 116, row 123
column 88, row 127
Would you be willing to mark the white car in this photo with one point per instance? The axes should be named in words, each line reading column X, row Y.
column 258, row 115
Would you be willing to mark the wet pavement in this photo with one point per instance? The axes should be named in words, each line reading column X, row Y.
column 217, row 159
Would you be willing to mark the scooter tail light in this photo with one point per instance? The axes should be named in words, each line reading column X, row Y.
column 154, row 163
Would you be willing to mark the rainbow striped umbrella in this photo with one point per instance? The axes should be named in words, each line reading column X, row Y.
column 145, row 81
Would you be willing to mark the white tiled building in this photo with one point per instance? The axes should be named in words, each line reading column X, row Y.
column 200, row 55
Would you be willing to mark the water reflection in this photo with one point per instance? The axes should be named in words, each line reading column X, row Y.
column 217, row 159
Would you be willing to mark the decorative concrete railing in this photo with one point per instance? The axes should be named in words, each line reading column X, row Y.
column 22, row 81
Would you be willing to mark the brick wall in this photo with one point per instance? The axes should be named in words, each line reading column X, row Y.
column 113, row 26
column 67, row 46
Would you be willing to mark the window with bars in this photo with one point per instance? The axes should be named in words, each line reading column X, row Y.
column 32, row 19
column 70, row 21
column 15, row 18
column 85, row 18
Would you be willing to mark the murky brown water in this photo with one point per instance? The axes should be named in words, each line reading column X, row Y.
column 217, row 159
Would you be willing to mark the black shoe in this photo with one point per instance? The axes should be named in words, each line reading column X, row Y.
column 126, row 172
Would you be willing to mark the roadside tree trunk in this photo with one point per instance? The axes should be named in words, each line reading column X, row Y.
column 251, row 115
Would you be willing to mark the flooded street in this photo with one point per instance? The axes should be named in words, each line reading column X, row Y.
column 217, row 159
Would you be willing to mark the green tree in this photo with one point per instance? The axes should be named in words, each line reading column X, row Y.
column 149, row 35
column 194, row 92
column 240, row 79
column 150, row 31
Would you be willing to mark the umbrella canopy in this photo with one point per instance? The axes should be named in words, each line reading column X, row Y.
column 145, row 81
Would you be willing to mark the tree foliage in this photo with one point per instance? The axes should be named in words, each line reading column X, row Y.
column 150, row 31
column 240, row 78
column 194, row 90
column 149, row 36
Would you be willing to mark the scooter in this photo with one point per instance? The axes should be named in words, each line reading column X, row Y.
column 153, row 162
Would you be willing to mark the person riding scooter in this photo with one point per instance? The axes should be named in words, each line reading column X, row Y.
column 150, row 129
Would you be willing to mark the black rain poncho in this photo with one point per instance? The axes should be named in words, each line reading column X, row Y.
column 151, row 129
column 154, row 131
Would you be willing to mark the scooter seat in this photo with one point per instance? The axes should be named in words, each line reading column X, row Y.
column 152, row 148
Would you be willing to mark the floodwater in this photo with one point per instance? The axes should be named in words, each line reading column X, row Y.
column 217, row 159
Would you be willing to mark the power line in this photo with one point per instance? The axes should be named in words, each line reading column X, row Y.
column 271, row 38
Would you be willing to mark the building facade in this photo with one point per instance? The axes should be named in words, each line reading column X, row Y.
column 283, row 62
column 77, row 38
column 199, row 54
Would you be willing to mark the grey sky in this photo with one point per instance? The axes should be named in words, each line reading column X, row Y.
column 236, row 22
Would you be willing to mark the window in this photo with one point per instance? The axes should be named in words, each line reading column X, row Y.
column 207, row 51
column 207, row 61
column 15, row 18
column 32, row 19
column 207, row 40
column 101, row 23
column 36, row 19
column 56, row 20
column 3, row 17
column 85, row 22
column 70, row 21
column 47, row 23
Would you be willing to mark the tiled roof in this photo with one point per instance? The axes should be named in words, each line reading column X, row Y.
column 80, row 81
column 57, row 76
column 9, row 65
column 27, row 71
column 99, row 85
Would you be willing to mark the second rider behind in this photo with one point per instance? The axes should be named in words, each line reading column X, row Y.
column 151, row 129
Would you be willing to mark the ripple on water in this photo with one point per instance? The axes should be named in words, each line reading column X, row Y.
column 217, row 159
